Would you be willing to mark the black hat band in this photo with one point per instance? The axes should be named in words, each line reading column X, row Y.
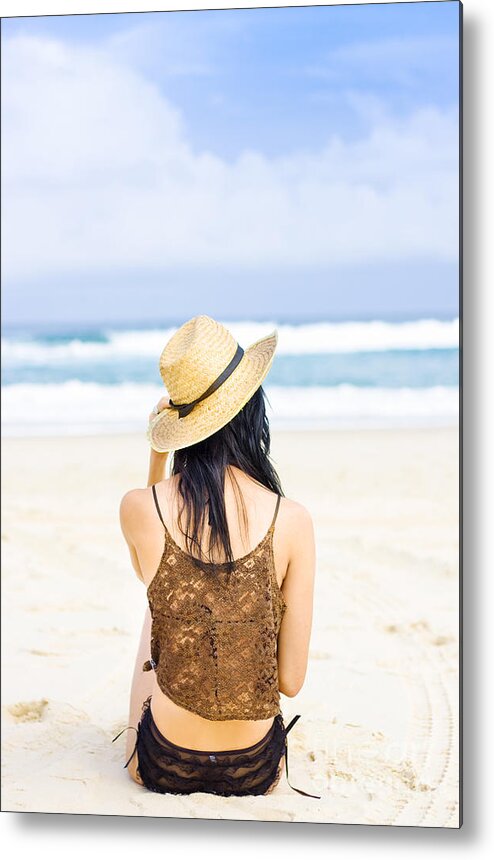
column 186, row 408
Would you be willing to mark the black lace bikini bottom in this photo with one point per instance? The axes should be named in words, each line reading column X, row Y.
column 167, row 768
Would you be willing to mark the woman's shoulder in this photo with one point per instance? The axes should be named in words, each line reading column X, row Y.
column 296, row 534
column 138, row 499
column 131, row 508
column 132, row 499
column 294, row 511
column 294, row 524
column 138, row 493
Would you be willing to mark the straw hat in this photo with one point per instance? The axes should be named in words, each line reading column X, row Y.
column 209, row 379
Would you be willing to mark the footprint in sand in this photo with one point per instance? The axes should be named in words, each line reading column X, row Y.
column 24, row 712
column 391, row 628
column 405, row 628
column 341, row 774
column 405, row 772
column 442, row 640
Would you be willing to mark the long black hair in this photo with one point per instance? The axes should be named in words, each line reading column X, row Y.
column 245, row 443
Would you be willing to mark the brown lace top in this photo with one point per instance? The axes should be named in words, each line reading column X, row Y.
column 214, row 635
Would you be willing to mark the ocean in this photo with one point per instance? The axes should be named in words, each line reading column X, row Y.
column 345, row 373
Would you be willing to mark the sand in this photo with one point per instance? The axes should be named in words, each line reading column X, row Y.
column 378, row 737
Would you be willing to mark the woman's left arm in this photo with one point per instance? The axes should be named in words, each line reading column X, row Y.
column 157, row 467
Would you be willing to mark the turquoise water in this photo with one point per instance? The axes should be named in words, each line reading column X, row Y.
column 324, row 371
column 393, row 369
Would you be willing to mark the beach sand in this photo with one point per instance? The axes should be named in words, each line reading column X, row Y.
column 378, row 737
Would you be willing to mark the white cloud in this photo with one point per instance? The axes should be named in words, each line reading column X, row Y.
column 98, row 173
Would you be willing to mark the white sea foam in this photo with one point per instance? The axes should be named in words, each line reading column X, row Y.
column 311, row 338
column 87, row 408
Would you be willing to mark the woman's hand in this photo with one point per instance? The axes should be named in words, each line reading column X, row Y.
column 157, row 460
column 162, row 404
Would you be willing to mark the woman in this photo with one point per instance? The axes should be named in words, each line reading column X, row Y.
column 228, row 563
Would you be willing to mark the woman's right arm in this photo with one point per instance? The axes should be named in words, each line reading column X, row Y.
column 132, row 502
column 157, row 461
column 298, row 591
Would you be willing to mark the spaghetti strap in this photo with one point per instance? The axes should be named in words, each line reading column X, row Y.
column 157, row 505
column 298, row 790
column 271, row 527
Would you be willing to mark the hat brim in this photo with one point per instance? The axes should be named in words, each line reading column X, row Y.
column 168, row 432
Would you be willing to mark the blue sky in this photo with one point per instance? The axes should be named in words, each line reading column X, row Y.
column 297, row 162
